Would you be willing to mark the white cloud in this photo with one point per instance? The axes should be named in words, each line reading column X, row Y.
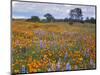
column 19, row 17
column 14, row 3
column 39, row 9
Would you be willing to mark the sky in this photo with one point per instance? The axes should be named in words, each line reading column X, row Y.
column 24, row 10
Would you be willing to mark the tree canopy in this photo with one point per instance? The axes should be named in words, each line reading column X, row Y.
column 49, row 17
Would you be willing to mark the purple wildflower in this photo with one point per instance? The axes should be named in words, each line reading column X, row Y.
column 58, row 64
column 91, row 62
column 24, row 70
column 41, row 44
column 68, row 66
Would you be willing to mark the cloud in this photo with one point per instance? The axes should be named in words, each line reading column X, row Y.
column 19, row 17
column 28, row 9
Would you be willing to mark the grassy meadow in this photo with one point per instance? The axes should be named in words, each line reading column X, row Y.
column 58, row 46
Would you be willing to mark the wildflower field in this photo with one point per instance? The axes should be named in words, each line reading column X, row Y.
column 58, row 46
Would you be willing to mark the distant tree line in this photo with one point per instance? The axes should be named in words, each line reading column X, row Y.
column 75, row 15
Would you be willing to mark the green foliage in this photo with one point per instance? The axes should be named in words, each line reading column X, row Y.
column 49, row 17
column 34, row 19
